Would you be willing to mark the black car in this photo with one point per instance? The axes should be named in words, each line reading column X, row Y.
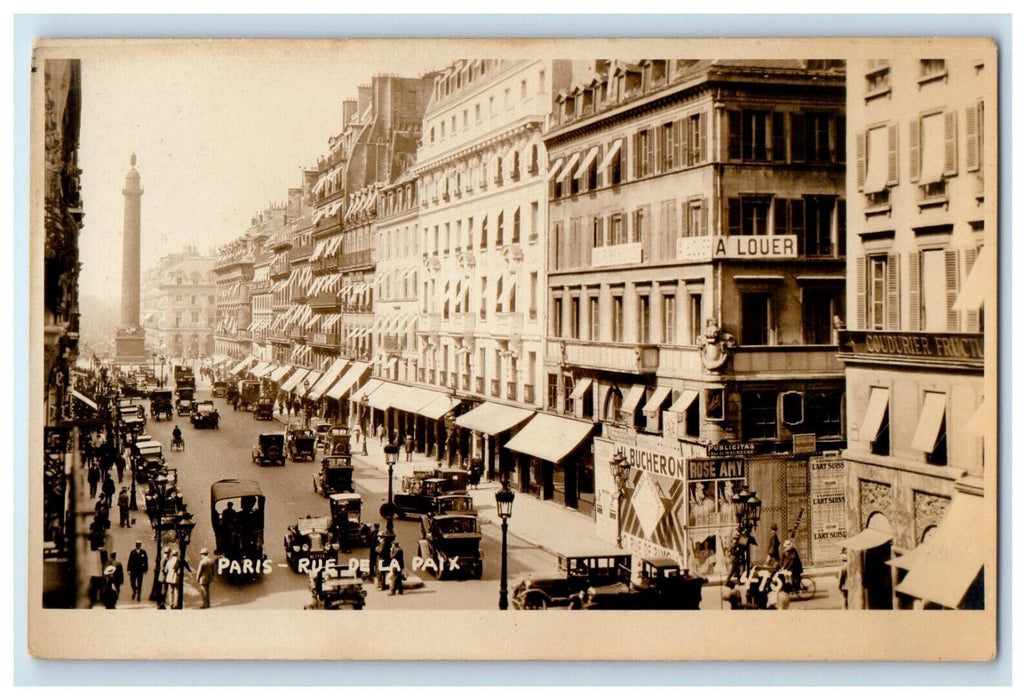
column 264, row 409
column 346, row 521
column 269, row 450
column 219, row 389
column 238, row 521
column 301, row 445
column 161, row 405
column 453, row 543
column 662, row 585
column 184, row 407
column 204, row 415
column 420, row 492
column 309, row 544
column 334, row 477
column 568, row 586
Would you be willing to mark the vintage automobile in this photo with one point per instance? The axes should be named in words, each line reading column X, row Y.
column 568, row 587
column 420, row 491
column 264, row 408
column 219, row 389
column 185, row 392
column 346, row 521
column 321, row 429
column 453, row 503
column 335, row 476
column 161, row 405
column 249, row 391
column 662, row 585
column 269, row 450
column 338, row 441
column 238, row 521
column 301, row 444
column 204, row 415
column 334, row 587
column 453, row 543
column 232, row 394
column 309, row 544
column 184, row 407
column 146, row 451
column 133, row 426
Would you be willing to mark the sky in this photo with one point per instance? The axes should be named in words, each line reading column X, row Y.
column 218, row 135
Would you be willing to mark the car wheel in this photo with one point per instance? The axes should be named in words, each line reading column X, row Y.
column 358, row 606
column 534, row 601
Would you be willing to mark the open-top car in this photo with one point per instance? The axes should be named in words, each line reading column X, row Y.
column 309, row 543
column 420, row 492
column 338, row 441
column 264, row 408
column 334, row 476
column 161, row 405
column 238, row 520
column 219, row 389
column 453, row 543
column 269, row 450
column 301, row 444
column 662, row 585
column 204, row 415
column 184, row 407
column 346, row 521
column 568, row 586
column 336, row 586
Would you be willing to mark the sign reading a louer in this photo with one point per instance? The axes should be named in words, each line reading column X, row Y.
column 703, row 248
column 623, row 254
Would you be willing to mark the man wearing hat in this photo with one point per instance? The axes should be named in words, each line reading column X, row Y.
column 109, row 594
column 162, row 581
column 137, row 566
column 397, row 569
column 774, row 547
column 205, row 572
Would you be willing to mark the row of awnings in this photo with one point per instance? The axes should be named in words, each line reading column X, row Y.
column 326, row 211
column 363, row 201
column 395, row 324
column 327, row 247
column 931, row 420
column 381, row 274
column 633, row 398
column 244, row 364
column 563, row 167
column 325, row 283
column 259, row 324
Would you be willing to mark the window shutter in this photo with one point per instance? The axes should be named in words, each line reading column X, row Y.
column 971, row 139
column 953, row 317
column 862, row 292
column 914, row 282
column 703, row 218
column 680, row 130
column 656, row 137
column 950, row 143
column 797, row 223
column 734, row 135
column 734, row 217
column 862, row 150
column 971, row 317
column 778, row 136
column 781, row 217
column 703, row 136
column 915, row 150
column 647, row 234
column 622, row 158
column 797, row 138
column 892, row 165
column 893, row 292
column 840, row 139
column 840, row 227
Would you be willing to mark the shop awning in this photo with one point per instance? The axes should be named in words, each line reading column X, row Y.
column 311, row 379
column 246, row 362
column 684, row 400
column 656, row 400
column 348, row 381
column 550, row 437
column 279, row 373
column 414, row 399
column 979, row 282
column 389, row 395
column 293, row 380
column 329, row 377
column 944, row 566
column 588, row 162
column 494, row 418
column 555, row 169
column 571, row 164
column 583, row 385
column 267, row 370
column 633, row 399
column 615, row 148
column 366, row 389
column 85, row 399
column 868, row 538
column 438, row 406
column 929, row 422
column 877, row 403
column 259, row 369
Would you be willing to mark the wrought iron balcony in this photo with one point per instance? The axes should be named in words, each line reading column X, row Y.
column 636, row 358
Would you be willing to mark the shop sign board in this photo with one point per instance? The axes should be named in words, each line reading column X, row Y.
column 703, row 248
column 731, row 449
column 949, row 347
column 828, row 508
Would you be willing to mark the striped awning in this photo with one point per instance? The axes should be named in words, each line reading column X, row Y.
column 348, row 381
column 331, row 375
column 294, row 379
column 279, row 373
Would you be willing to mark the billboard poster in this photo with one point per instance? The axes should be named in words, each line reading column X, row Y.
column 828, row 508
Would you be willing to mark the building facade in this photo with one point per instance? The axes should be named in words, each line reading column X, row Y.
column 920, row 271
column 178, row 305
column 695, row 270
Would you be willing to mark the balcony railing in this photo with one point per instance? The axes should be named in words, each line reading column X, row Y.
column 508, row 324
column 354, row 259
column 280, row 269
column 278, row 337
column 300, row 252
column 529, row 393
column 324, row 340
column 511, row 391
column 325, row 300
column 261, row 287
column 620, row 357
column 462, row 323
column 392, row 343
column 298, row 333
column 494, row 387
column 325, row 265
column 430, row 323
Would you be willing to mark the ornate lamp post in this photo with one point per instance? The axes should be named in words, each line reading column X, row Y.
column 154, row 512
column 747, row 514
column 304, row 397
column 184, row 528
column 620, row 469
column 391, row 458
column 504, row 503
column 363, row 410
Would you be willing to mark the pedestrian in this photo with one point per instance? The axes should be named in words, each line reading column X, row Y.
column 380, row 433
column 790, row 561
column 120, row 466
column 774, row 549
column 374, row 536
column 93, row 478
column 205, row 572
column 118, row 576
column 163, row 583
column 475, row 473
column 843, row 589
column 174, row 569
column 384, row 553
column 107, row 490
column 410, row 444
column 137, row 566
column 123, row 507
column 109, row 591
column 397, row 569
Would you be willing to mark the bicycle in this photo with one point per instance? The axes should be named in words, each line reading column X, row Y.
column 804, row 590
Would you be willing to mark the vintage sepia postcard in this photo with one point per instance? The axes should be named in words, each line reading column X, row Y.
column 514, row 349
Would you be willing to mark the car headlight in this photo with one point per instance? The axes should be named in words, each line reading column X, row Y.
column 295, row 548
column 304, row 547
column 334, row 545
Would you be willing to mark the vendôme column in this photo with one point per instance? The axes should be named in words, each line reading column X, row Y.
column 129, row 338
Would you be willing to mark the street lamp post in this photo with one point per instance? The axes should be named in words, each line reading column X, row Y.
column 747, row 514
column 391, row 458
column 184, row 528
column 363, row 415
column 155, row 508
column 504, row 502
column 620, row 469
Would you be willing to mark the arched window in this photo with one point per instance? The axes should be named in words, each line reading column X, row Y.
column 498, row 171
column 516, row 165
column 516, row 225
column 612, row 404
column 533, row 167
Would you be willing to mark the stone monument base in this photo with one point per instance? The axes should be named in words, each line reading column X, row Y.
column 129, row 346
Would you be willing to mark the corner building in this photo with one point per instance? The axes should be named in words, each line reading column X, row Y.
column 695, row 270
column 922, row 252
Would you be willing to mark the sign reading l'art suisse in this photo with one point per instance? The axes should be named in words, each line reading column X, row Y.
column 702, row 248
